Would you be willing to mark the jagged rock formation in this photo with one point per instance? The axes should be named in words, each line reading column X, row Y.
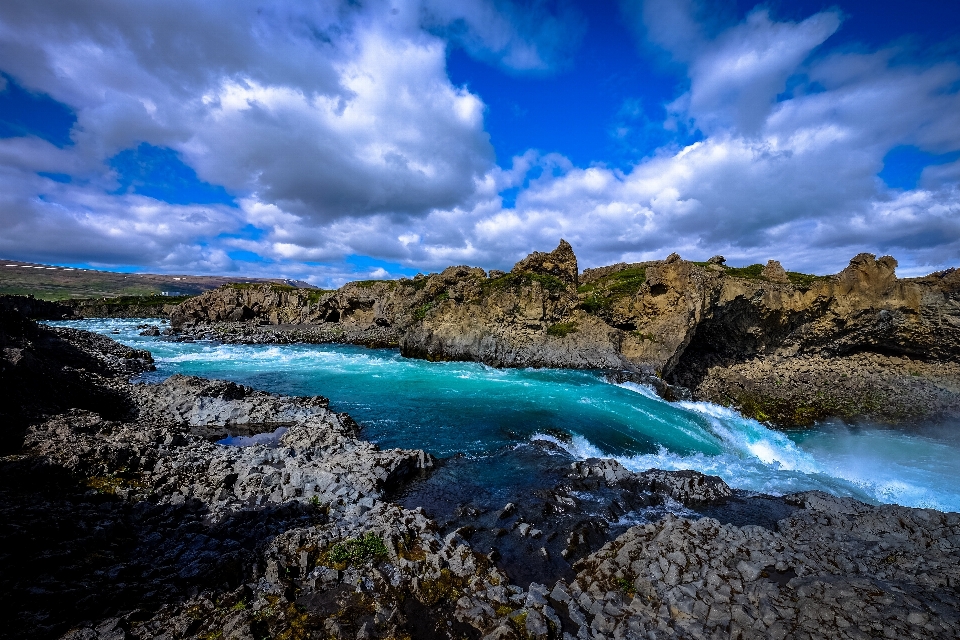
column 716, row 330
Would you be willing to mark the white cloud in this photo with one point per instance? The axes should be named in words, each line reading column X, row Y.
column 339, row 132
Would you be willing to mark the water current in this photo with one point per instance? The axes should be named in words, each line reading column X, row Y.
column 478, row 412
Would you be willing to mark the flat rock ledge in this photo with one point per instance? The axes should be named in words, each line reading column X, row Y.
column 143, row 526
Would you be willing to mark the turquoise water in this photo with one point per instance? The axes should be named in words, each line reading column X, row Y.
column 472, row 409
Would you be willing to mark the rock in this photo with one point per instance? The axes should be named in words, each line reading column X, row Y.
column 774, row 272
column 684, row 327
column 717, row 260
column 560, row 263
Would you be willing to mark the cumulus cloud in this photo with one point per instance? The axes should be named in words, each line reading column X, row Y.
column 793, row 139
column 324, row 112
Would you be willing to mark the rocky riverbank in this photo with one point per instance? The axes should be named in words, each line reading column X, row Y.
column 121, row 517
column 786, row 348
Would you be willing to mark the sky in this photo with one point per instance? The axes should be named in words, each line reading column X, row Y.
column 331, row 141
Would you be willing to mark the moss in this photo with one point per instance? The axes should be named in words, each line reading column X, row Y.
column 421, row 312
column 296, row 625
column 626, row 586
column 792, row 412
column 805, row 280
column 562, row 329
column 110, row 483
column 751, row 272
column 315, row 295
column 512, row 280
column 446, row 587
column 354, row 551
column 213, row 635
column 604, row 292
column 640, row 335
column 408, row 549
column 755, row 272
column 519, row 622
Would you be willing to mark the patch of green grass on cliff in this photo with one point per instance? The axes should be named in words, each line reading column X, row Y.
column 755, row 272
column 516, row 280
column 805, row 280
column 421, row 312
column 605, row 291
column 354, row 551
column 314, row 295
column 798, row 413
column 562, row 329
column 751, row 272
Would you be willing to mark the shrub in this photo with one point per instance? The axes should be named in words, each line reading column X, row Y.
column 561, row 329
column 356, row 551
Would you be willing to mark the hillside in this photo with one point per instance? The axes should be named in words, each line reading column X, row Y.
column 49, row 282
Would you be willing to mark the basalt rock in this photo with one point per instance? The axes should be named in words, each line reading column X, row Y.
column 680, row 324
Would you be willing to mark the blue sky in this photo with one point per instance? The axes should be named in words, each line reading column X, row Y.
column 329, row 141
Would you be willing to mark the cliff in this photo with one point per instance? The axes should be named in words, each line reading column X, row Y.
column 691, row 324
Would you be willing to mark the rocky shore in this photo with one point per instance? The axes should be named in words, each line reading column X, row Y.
column 122, row 517
column 786, row 348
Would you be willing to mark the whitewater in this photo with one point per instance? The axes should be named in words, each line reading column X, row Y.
column 476, row 411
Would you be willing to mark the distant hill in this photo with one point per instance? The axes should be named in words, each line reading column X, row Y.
column 49, row 282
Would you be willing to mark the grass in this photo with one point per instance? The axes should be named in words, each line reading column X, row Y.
column 755, row 272
column 562, row 329
column 751, row 272
column 805, row 280
column 626, row 586
column 605, row 291
column 512, row 280
column 356, row 551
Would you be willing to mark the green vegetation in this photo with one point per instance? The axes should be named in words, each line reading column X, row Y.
column 752, row 272
column 755, row 272
column 561, row 329
column 805, row 280
column 800, row 412
column 512, row 280
column 421, row 312
column 366, row 284
column 626, row 586
column 354, row 551
column 605, row 291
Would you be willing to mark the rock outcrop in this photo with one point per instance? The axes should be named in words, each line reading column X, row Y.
column 715, row 330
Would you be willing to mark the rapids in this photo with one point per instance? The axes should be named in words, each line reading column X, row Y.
column 479, row 412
